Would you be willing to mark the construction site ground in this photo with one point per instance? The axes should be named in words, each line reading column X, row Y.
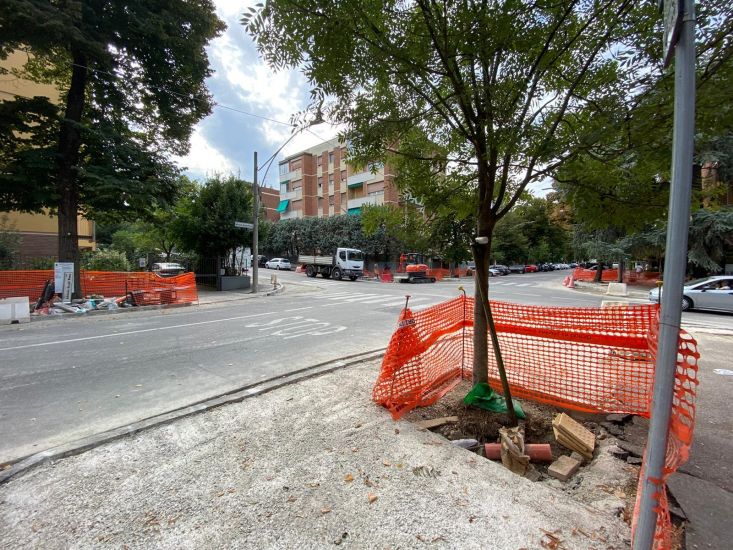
column 309, row 465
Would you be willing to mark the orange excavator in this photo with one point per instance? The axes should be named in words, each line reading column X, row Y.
column 413, row 269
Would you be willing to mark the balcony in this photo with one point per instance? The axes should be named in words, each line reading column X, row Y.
column 375, row 200
column 356, row 180
column 292, row 175
column 293, row 195
column 290, row 214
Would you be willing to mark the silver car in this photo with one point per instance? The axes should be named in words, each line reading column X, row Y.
column 712, row 293
column 278, row 263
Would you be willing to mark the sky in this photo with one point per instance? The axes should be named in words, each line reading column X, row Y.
column 224, row 142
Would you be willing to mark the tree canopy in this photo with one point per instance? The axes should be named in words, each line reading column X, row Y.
column 487, row 92
column 131, row 76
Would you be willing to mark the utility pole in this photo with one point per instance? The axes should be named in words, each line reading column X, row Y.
column 255, row 227
column 680, row 30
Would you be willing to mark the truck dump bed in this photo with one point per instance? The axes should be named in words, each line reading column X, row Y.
column 315, row 260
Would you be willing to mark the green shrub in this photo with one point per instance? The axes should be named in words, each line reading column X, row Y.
column 106, row 260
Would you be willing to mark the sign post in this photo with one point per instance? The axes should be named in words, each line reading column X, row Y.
column 59, row 270
column 243, row 225
column 679, row 37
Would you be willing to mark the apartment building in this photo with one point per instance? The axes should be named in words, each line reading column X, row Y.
column 319, row 182
column 269, row 202
column 39, row 232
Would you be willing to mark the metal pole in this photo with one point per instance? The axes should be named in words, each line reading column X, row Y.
column 255, row 227
column 675, row 266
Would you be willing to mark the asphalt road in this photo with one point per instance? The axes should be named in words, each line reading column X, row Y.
column 65, row 379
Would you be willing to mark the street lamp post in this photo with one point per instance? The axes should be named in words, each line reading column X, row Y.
column 255, row 227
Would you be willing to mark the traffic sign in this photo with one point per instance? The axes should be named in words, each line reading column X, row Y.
column 243, row 225
column 672, row 15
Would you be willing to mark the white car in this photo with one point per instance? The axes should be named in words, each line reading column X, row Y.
column 278, row 263
column 713, row 293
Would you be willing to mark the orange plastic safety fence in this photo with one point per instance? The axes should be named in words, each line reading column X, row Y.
column 144, row 287
column 648, row 278
column 587, row 359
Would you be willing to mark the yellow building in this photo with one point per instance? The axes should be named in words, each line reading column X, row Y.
column 39, row 232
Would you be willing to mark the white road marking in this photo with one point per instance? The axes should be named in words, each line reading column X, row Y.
column 141, row 331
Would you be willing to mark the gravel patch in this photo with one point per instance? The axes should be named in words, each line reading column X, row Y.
column 311, row 465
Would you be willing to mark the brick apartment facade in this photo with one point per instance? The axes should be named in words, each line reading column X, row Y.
column 269, row 201
column 318, row 182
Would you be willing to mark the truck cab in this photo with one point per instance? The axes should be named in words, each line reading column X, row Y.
column 350, row 262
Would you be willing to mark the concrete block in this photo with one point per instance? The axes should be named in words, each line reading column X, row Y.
column 15, row 310
column 617, row 289
column 563, row 468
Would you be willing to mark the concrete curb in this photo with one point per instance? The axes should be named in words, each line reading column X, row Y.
column 22, row 464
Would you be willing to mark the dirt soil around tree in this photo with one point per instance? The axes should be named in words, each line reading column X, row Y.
column 608, row 482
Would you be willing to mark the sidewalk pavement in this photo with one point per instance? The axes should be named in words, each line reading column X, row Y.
column 703, row 486
column 635, row 292
column 208, row 296
column 308, row 465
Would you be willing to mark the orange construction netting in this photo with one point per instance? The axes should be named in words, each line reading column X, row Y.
column 611, row 276
column 597, row 360
column 145, row 287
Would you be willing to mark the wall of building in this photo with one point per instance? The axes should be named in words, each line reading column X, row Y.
column 39, row 232
column 319, row 182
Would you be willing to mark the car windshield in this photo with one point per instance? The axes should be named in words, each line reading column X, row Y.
column 355, row 255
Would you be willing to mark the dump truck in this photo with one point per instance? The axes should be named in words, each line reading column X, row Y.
column 346, row 262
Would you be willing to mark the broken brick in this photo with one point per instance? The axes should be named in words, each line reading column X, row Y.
column 563, row 468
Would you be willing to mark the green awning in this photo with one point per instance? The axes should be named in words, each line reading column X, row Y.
column 356, row 184
column 283, row 206
column 355, row 211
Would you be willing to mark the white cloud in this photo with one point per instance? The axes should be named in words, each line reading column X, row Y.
column 204, row 159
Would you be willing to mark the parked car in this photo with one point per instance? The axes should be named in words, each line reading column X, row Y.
column 516, row 268
column 278, row 263
column 546, row 267
column 530, row 268
column 504, row 270
column 167, row 269
column 261, row 260
column 493, row 272
column 711, row 293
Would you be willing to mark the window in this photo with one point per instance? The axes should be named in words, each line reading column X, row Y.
column 320, row 182
column 284, row 168
column 330, row 179
column 330, row 158
column 283, row 188
column 342, row 255
column 320, row 160
column 355, row 255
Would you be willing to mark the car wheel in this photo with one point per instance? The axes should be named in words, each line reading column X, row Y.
column 686, row 303
column 310, row 272
column 336, row 274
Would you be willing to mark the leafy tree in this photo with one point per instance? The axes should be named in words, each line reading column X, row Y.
column 204, row 221
column 485, row 91
column 9, row 243
column 132, row 81
column 106, row 260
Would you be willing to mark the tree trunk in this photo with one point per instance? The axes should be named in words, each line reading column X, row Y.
column 621, row 268
column 67, row 169
column 481, row 293
column 599, row 272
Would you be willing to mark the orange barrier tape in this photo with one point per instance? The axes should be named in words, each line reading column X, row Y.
column 588, row 359
column 145, row 287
